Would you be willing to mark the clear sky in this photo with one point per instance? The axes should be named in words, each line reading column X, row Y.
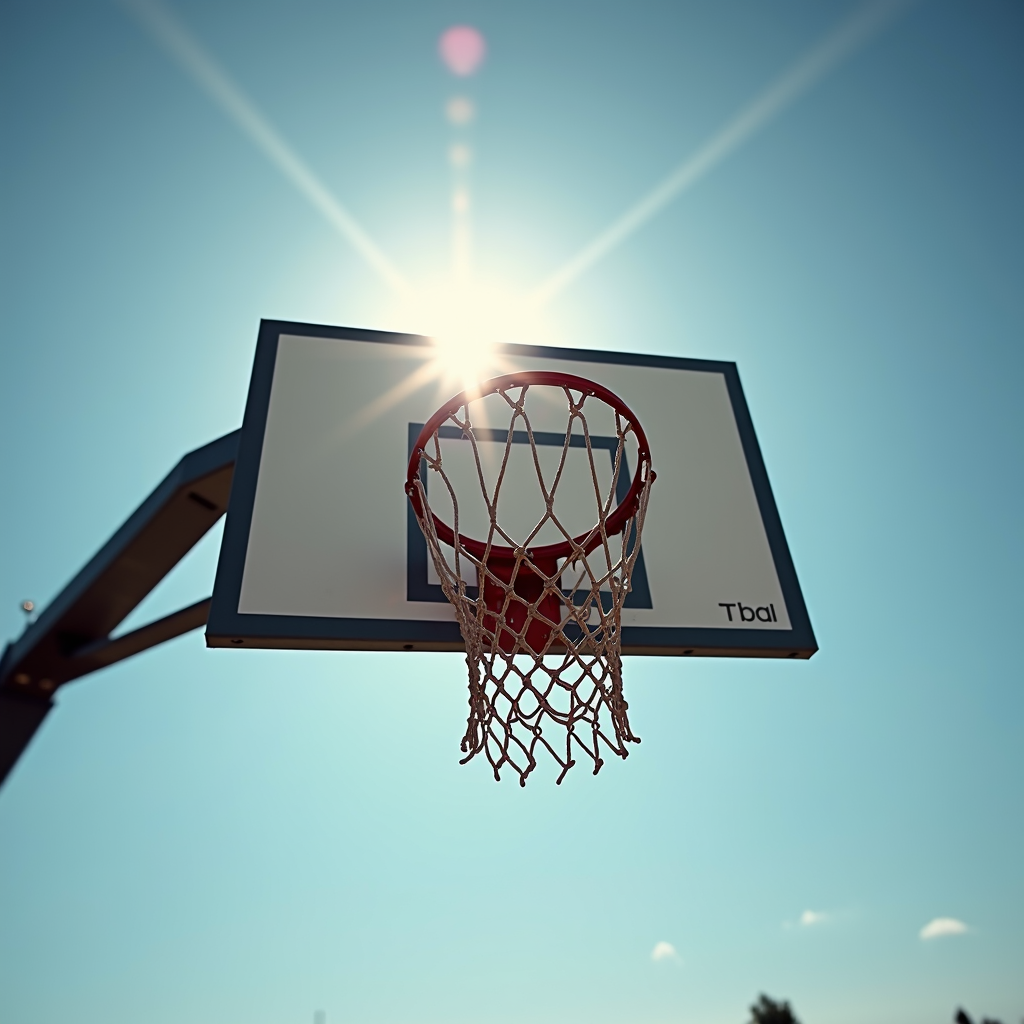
column 216, row 836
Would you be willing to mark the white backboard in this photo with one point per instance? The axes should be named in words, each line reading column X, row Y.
column 321, row 551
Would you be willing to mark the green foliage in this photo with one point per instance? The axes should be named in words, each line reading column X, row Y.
column 768, row 1011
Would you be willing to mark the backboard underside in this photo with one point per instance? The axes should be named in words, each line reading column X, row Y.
column 321, row 551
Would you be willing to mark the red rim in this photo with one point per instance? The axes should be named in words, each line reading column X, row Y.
column 616, row 521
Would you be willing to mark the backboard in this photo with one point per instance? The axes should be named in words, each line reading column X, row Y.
column 321, row 548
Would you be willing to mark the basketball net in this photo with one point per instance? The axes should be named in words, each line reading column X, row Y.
column 542, row 627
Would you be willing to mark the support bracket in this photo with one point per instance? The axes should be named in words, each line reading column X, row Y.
column 72, row 636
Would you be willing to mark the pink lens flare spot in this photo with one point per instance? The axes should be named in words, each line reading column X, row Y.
column 462, row 49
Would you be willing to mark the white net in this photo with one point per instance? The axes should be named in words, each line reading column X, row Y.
column 542, row 623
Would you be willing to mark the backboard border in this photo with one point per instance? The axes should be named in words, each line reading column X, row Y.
column 226, row 627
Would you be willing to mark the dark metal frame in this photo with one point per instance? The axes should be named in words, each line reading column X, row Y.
column 226, row 627
column 71, row 637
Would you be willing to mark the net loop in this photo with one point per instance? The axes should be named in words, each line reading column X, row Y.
column 542, row 627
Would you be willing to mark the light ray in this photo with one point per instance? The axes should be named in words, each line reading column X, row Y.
column 441, row 367
column 826, row 56
column 462, row 239
column 374, row 410
column 208, row 75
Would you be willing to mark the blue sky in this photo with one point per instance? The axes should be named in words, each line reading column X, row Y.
column 219, row 836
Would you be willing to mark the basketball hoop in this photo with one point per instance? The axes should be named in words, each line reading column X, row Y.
column 542, row 625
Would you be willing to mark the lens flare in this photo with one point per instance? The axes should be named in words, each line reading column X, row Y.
column 462, row 49
column 460, row 111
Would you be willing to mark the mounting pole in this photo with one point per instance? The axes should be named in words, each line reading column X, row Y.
column 71, row 637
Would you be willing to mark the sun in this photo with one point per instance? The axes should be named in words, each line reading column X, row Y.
column 467, row 321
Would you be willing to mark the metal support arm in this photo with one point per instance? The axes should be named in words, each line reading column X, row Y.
column 72, row 635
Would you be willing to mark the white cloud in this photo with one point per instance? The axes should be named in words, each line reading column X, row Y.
column 812, row 917
column 808, row 919
column 664, row 951
column 942, row 926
